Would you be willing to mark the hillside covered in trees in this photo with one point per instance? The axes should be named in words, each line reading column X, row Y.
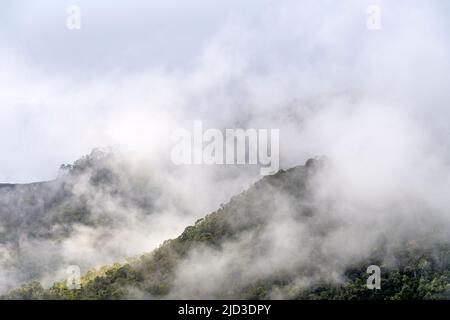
column 278, row 239
column 82, row 217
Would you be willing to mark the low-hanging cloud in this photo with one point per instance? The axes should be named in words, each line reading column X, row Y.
column 373, row 101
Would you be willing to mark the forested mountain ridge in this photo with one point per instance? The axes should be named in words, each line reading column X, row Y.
column 43, row 225
column 239, row 252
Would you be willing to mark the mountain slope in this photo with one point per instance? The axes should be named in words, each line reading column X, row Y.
column 46, row 226
column 240, row 251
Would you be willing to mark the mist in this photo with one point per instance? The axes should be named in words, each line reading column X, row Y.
column 373, row 102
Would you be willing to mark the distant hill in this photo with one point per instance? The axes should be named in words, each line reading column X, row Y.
column 39, row 220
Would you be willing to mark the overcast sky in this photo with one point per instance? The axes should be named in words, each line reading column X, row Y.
column 136, row 69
